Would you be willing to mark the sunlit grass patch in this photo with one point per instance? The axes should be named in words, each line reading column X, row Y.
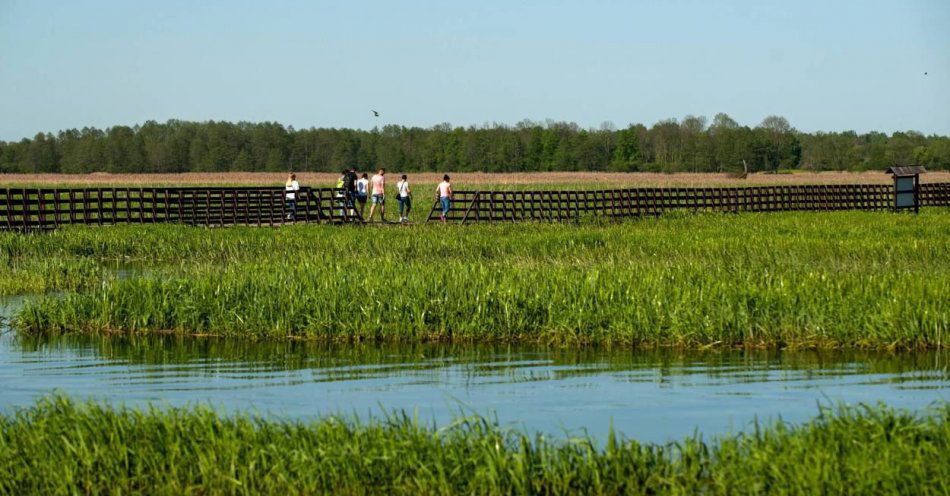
column 852, row 279
column 61, row 446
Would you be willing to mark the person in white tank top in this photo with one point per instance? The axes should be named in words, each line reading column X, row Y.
column 443, row 193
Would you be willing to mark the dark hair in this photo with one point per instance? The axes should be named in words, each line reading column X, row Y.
column 365, row 176
column 445, row 177
column 382, row 169
column 293, row 176
column 344, row 171
column 404, row 176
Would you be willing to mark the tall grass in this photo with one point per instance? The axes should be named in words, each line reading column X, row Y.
column 797, row 280
column 46, row 275
column 60, row 446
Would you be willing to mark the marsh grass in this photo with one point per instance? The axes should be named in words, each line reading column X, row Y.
column 61, row 446
column 34, row 276
column 819, row 280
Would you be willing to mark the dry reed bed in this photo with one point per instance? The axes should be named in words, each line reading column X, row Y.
column 464, row 180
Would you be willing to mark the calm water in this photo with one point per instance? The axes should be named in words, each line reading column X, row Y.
column 649, row 395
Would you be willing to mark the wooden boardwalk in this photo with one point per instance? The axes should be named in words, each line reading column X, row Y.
column 30, row 209
column 514, row 206
column 41, row 209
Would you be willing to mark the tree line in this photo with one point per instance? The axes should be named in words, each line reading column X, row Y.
column 689, row 145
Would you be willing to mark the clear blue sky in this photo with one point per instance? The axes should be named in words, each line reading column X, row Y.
column 825, row 65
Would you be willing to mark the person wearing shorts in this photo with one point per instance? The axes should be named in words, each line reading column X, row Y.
column 378, row 187
column 444, row 192
column 362, row 193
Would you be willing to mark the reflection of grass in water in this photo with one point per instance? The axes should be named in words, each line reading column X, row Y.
column 800, row 280
column 509, row 363
column 61, row 446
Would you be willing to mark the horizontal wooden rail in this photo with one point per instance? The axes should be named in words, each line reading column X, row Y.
column 28, row 209
column 511, row 206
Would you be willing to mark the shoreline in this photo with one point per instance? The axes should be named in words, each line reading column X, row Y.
column 548, row 340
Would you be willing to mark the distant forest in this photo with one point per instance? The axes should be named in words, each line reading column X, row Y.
column 692, row 144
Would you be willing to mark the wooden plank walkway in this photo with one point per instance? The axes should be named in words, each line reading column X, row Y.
column 40, row 209
column 558, row 206
column 32, row 209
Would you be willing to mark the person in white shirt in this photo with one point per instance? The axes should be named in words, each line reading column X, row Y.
column 362, row 192
column 291, row 187
column 404, row 197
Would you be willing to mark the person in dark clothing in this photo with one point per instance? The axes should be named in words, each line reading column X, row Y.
column 349, row 186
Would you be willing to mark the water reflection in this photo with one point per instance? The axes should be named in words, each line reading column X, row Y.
column 648, row 394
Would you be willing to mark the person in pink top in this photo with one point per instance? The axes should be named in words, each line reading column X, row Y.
column 444, row 192
column 378, row 185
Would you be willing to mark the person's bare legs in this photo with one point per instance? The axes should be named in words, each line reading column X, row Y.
column 372, row 209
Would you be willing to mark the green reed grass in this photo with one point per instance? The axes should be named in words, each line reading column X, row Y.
column 29, row 276
column 61, row 446
column 854, row 279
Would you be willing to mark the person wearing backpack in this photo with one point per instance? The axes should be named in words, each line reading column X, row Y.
column 349, row 189
column 340, row 194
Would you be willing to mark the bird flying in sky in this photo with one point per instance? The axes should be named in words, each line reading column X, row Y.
column 375, row 114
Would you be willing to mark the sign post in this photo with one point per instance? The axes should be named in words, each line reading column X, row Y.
column 906, row 187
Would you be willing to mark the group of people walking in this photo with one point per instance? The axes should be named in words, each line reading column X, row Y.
column 355, row 190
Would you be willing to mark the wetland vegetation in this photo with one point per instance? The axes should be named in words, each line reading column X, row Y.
column 358, row 306
column 819, row 280
column 61, row 446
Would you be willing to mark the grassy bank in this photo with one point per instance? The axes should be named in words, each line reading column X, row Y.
column 59, row 446
column 848, row 279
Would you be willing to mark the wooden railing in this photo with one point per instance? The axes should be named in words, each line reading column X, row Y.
column 495, row 206
column 27, row 209
column 935, row 194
